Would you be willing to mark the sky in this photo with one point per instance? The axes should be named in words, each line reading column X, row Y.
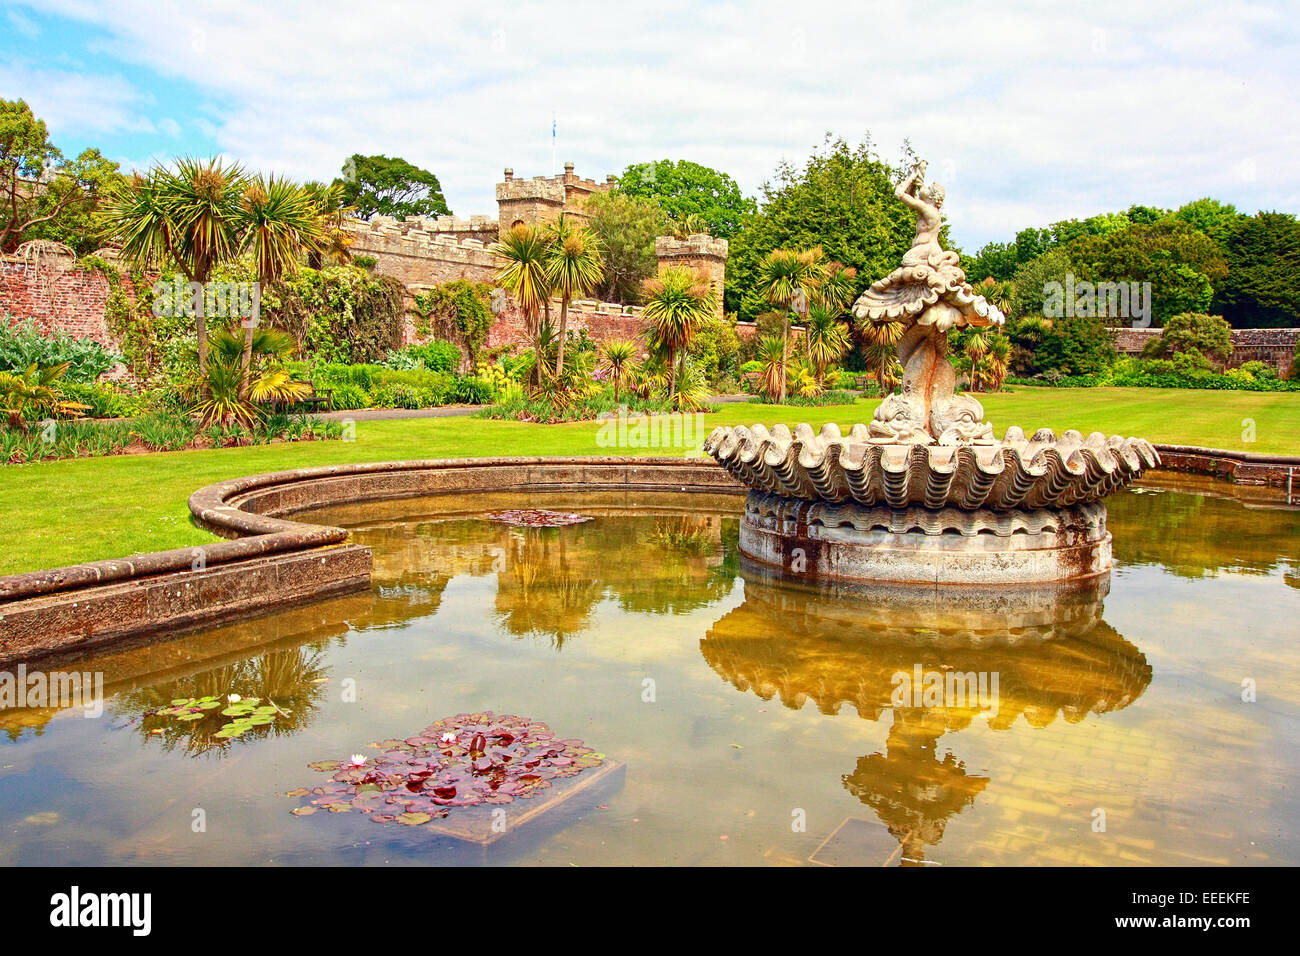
column 1028, row 112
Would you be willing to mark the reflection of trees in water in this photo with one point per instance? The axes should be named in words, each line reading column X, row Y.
column 1054, row 656
column 1195, row 535
column 550, row 580
column 542, row 591
column 290, row 679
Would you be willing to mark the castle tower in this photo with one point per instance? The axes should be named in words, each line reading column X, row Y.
column 542, row 199
column 698, row 251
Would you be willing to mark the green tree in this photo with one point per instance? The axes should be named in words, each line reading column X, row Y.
column 573, row 267
column 1217, row 220
column 627, row 227
column 1209, row 335
column 1261, row 288
column 618, row 359
column 42, row 194
column 1078, row 345
column 384, row 186
column 789, row 279
column 841, row 200
column 679, row 302
column 189, row 216
column 278, row 221
column 683, row 189
column 1181, row 263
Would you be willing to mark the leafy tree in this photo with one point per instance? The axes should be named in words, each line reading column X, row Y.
column 384, row 186
column 995, row 260
column 1181, row 263
column 1209, row 335
column 683, row 189
column 1261, row 288
column 1079, row 345
column 42, row 194
column 1217, row 220
column 842, row 200
column 627, row 227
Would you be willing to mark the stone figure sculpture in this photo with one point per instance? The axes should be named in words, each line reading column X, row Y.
column 930, row 294
column 925, row 494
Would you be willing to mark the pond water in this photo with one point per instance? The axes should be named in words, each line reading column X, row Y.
column 744, row 721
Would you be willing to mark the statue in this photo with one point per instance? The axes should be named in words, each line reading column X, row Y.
column 924, row 494
column 930, row 294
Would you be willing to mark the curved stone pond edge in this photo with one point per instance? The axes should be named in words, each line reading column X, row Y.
column 271, row 561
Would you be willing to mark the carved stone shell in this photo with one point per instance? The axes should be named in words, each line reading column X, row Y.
column 1015, row 473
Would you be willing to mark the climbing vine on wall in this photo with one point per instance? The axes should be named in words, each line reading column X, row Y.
column 457, row 310
column 339, row 314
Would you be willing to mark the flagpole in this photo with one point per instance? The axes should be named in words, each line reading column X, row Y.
column 552, row 142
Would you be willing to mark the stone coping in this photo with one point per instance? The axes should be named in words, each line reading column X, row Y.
column 273, row 560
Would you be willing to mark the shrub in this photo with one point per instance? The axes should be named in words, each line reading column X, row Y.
column 23, row 345
column 437, row 355
column 348, row 396
column 1209, row 335
column 471, row 390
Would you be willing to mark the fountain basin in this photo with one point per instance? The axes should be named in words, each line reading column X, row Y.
column 820, row 540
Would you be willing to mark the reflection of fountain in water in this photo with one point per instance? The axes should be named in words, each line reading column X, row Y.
column 1053, row 654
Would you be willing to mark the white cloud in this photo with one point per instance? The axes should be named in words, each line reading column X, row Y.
column 1034, row 113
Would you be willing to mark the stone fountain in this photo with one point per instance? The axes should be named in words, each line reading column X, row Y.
column 925, row 493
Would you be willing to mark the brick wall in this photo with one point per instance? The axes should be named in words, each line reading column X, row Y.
column 61, row 298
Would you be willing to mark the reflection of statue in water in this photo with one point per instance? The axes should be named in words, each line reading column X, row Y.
column 1055, row 657
column 930, row 294
column 912, row 789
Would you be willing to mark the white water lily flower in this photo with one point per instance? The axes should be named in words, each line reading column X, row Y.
column 448, row 738
column 358, row 760
column 233, row 698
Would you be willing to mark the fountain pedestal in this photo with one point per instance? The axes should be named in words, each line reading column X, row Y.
column 818, row 540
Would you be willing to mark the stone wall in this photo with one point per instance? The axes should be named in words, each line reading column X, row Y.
column 700, row 252
column 1274, row 346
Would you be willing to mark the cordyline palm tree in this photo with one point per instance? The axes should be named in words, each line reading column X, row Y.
column 879, row 350
column 826, row 337
column 679, row 301
column 337, row 243
column 618, row 358
column 789, row 279
column 190, row 216
column 838, row 289
column 574, row 265
column 277, row 221
column 524, row 254
column 1001, row 293
column 769, row 355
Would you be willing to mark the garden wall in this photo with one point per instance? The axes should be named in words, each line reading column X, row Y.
column 1274, row 346
column 58, row 294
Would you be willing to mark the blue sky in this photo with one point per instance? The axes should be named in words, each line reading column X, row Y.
column 1028, row 114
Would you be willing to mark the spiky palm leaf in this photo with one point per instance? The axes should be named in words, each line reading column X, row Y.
column 574, row 266
column 679, row 301
column 790, row 278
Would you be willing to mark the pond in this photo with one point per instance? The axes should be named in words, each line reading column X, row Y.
column 740, row 720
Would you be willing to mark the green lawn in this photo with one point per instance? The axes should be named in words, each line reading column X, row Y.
column 64, row 512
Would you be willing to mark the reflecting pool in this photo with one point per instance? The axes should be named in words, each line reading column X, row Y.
column 752, row 721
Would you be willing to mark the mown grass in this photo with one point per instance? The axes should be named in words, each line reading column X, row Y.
column 65, row 512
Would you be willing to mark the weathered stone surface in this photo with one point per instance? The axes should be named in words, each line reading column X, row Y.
column 1015, row 473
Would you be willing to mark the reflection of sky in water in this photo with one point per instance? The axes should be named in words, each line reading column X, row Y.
column 566, row 626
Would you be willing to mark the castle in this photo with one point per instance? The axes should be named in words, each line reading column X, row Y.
column 423, row 251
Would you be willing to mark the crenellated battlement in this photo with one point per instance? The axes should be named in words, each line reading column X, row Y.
column 695, row 246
